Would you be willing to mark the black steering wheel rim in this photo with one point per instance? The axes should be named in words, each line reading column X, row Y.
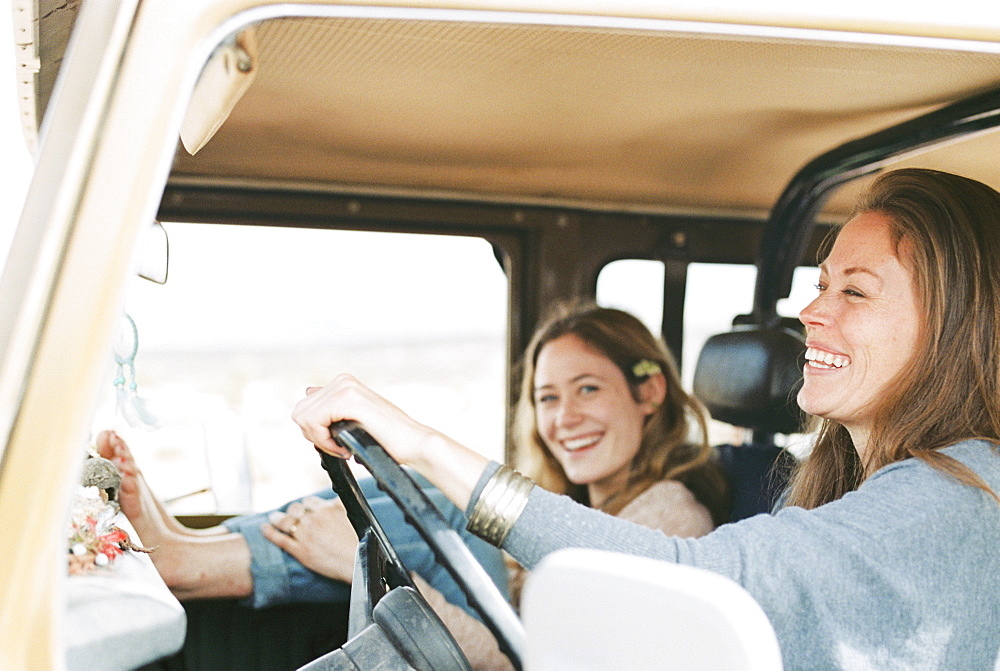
column 447, row 546
column 375, row 549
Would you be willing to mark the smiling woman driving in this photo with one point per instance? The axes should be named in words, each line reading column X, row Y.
column 885, row 550
column 602, row 417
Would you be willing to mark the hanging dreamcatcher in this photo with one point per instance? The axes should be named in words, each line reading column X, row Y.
column 129, row 405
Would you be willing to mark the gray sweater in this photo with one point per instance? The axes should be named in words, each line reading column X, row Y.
column 904, row 573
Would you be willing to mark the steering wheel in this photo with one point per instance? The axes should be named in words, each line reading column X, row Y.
column 387, row 613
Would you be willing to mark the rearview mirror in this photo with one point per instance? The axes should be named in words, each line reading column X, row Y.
column 154, row 254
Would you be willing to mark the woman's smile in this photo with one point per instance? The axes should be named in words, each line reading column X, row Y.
column 580, row 443
column 820, row 359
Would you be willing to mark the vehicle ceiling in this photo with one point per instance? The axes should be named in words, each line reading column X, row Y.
column 603, row 117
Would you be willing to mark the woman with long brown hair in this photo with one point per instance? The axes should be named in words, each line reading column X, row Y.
column 665, row 450
column 885, row 554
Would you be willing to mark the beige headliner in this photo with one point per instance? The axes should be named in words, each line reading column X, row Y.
column 597, row 116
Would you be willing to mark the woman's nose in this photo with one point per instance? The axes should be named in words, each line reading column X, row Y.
column 568, row 413
column 815, row 313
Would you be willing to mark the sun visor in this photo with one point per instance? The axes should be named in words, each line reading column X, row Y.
column 222, row 83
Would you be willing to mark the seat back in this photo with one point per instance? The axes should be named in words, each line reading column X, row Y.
column 749, row 377
column 590, row 610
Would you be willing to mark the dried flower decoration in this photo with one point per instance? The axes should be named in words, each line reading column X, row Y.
column 645, row 368
column 94, row 540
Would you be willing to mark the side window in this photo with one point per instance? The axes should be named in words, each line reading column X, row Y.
column 251, row 316
column 715, row 295
column 803, row 291
column 635, row 286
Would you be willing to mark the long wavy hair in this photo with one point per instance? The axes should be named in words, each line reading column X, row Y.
column 667, row 450
column 951, row 390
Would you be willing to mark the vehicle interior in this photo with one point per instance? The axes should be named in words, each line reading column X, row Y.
column 683, row 163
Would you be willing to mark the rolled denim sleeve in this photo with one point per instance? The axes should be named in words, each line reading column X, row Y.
column 280, row 578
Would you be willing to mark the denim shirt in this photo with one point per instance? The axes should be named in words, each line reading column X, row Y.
column 280, row 578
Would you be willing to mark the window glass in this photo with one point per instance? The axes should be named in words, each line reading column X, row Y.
column 251, row 316
column 635, row 286
column 715, row 294
column 803, row 291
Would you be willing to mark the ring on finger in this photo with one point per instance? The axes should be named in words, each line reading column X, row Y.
column 295, row 527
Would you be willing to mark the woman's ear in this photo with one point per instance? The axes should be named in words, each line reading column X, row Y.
column 653, row 391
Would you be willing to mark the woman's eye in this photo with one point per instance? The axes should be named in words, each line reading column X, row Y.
column 589, row 389
column 849, row 291
column 546, row 398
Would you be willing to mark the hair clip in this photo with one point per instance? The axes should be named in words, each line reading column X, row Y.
column 645, row 368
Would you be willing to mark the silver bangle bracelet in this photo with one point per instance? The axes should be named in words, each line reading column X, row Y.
column 499, row 505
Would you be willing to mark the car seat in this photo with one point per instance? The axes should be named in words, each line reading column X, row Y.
column 749, row 377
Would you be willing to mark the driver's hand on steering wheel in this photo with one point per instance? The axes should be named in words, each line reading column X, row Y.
column 317, row 532
column 346, row 398
column 451, row 467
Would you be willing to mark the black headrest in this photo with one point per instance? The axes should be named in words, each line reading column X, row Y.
column 750, row 376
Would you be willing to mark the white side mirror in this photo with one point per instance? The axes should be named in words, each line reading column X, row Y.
column 585, row 610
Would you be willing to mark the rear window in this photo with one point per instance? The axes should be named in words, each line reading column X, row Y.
column 715, row 295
